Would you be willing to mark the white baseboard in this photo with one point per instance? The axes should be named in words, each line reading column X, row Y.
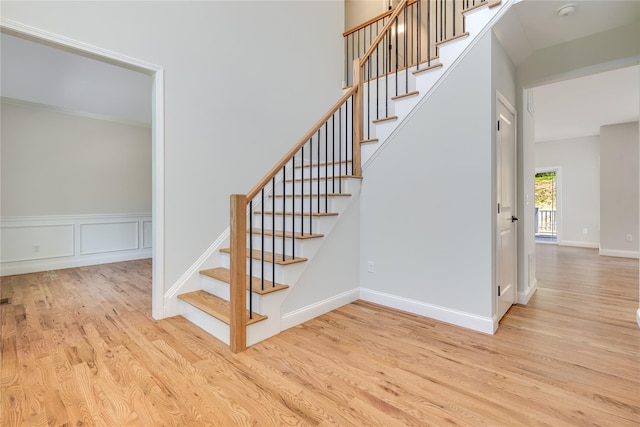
column 619, row 254
column 459, row 318
column 576, row 244
column 60, row 263
column 524, row 297
column 312, row 311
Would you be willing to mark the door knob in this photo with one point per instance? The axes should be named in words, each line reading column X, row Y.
column 513, row 219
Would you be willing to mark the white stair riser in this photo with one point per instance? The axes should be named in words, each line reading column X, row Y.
column 304, row 204
column 344, row 184
column 222, row 290
column 213, row 326
column 384, row 129
column 322, row 203
column 334, row 169
column 305, row 223
column 425, row 80
column 289, row 245
column 477, row 19
column 403, row 106
column 259, row 270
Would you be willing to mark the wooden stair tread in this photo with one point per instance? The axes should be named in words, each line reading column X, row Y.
column 279, row 213
column 224, row 275
column 216, row 307
column 297, row 196
column 268, row 257
column 385, row 119
column 405, row 95
column 429, row 68
column 287, row 234
column 368, row 141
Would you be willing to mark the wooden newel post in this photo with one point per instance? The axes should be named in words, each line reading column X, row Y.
column 358, row 118
column 238, row 242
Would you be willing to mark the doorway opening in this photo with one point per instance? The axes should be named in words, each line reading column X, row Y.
column 546, row 204
column 157, row 135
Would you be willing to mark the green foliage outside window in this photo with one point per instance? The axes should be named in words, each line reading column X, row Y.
column 545, row 183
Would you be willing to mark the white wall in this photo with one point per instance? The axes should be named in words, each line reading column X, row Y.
column 619, row 190
column 426, row 204
column 579, row 187
column 56, row 163
column 243, row 81
column 331, row 278
column 76, row 190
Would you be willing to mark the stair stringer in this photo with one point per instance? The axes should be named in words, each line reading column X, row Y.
column 477, row 22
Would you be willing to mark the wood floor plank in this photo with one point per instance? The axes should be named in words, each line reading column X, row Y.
column 79, row 346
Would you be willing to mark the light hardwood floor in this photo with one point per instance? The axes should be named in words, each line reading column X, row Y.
column 79, row 348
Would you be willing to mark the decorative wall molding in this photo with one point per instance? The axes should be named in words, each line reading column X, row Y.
column 60, row 110
column 459, row 318
column 41, row 243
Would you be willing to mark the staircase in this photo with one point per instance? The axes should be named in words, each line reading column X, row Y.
column 277, row 227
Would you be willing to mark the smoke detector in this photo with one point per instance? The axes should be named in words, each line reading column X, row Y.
column 566, row 10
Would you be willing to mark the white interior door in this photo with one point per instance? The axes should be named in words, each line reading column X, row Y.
column 506, row 244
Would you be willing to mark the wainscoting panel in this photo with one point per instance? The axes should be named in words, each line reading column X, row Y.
column 147, row 233
column 42, row 243
column 25, row 243
column 108, row 237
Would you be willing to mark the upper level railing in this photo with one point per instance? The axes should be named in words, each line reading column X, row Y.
column 411, row 40
column 269, row 221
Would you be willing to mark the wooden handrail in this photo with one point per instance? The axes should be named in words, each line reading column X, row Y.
column 372, row 20
column 283, row 161
column 374, row 44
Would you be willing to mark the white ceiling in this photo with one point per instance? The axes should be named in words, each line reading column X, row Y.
column 41, row 74
column 577, row 107
column 533, row 24
column 572, row 108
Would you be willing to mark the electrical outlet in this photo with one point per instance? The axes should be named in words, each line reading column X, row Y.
column 370, row 266
column 585, row 231
column 629, row 238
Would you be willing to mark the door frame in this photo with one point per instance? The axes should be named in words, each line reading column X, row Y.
column 157, row 133
column 558, row 171
column 500, row 99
